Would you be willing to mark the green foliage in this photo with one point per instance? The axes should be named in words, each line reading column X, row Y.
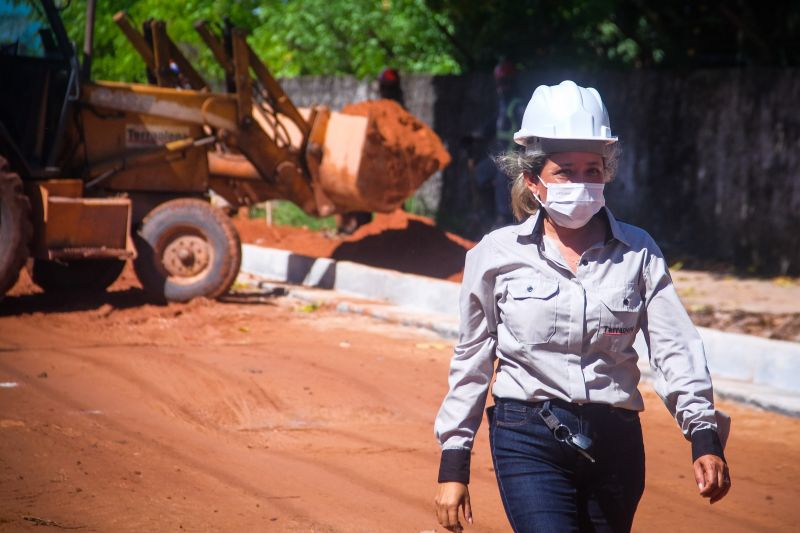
column 351, row 37
column 114, row 57
column 286, row 213
column 292, row 37
column 417, row 205
column 360, row 37
column 623, row 33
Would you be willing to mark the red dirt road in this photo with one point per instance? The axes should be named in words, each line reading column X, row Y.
column 209, row 416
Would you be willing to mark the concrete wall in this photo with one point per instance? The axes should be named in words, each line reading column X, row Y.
column 710, row 162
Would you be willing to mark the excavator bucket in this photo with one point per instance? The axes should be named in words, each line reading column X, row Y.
column 371, row 156
column 375, row 155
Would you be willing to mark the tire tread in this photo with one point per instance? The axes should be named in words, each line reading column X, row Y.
column 199, row 210
column 14, row 248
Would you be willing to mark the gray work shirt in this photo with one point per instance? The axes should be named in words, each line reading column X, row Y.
column 565, row 335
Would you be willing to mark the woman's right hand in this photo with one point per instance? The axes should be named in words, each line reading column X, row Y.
column 451, row 496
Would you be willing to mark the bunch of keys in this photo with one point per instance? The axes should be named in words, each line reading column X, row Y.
column 577, row 441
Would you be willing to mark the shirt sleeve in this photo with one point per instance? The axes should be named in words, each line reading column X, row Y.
column 471, row 367
column 678, row 358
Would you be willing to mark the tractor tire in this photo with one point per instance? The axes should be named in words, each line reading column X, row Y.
column 187, row 249
column 83, row 275
column 16, row 229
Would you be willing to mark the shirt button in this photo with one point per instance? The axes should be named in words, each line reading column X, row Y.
column 530, row 289
column 584, row 262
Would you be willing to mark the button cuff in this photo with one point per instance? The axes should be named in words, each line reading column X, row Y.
column 705, row 442
column 454, row 465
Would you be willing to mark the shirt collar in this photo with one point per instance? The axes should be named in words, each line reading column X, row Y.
column 533, row 225
column 616, row 229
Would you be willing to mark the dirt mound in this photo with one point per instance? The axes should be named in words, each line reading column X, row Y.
column 398, row 240
column 781, row 326
column 401, row 152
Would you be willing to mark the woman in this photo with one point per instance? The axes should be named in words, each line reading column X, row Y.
column 556, row 302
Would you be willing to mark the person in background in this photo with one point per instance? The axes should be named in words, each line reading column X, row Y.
column 510, row 106
column 555, row 303
column 389, row 86
column 509, row 115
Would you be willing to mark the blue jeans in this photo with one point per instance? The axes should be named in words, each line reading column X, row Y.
column 547, row 486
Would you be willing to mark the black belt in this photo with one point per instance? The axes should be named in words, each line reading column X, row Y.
column 575, row 408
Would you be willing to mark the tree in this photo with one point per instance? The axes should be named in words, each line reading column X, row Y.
column 623, row 33
column 294, row 38
column 352, row 37
column 360, row 37
column 114, row 57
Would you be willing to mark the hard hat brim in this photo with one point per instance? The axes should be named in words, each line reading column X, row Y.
column 553, row 146
column 524, row 137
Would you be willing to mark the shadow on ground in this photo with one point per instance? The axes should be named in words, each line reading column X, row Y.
column 64, row 302
column 418, row 249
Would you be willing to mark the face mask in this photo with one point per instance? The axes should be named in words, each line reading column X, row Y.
column 572, row 205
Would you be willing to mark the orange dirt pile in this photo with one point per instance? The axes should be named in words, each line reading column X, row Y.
column 398, row 241
column 401, row 151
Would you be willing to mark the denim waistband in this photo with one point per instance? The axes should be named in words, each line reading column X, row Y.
column 576, row 408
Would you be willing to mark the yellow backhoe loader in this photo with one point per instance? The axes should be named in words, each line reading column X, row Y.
column 95, row 173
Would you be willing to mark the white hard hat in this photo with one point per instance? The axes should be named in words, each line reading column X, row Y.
column 566, row 112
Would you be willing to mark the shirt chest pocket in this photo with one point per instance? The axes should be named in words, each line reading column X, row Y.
column 620, row 308
column 530, row 309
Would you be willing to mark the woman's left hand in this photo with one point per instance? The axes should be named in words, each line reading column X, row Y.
column 712, row 476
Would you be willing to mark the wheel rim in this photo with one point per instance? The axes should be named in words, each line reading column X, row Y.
column 174, row 268
column 187, row 258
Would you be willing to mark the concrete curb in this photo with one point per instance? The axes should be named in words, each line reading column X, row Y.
column 745, row 368
column 407, row 290
column 753, row 359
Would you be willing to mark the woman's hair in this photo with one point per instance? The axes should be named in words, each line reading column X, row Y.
column 516, row 162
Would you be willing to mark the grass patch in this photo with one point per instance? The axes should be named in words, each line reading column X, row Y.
column 418, row 207
column 285, row 213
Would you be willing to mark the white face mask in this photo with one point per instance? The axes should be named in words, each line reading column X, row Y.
column 572, row 205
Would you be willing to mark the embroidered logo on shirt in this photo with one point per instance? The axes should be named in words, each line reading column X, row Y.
column 616, row 331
